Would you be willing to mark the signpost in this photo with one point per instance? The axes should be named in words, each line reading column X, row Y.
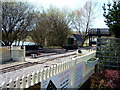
column 61, row 80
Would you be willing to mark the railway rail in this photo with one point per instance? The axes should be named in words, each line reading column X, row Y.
column 27, row 64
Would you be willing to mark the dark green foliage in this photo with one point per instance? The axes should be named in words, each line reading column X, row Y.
column 112, row 17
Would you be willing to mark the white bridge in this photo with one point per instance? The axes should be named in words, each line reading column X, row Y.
column 70, row 73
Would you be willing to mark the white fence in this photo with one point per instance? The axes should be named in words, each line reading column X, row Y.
column 30, row 80
column 15, row 53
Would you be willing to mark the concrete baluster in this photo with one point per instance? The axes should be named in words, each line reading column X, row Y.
column 11, row 84
column 41, row 76
column 46, row 73
column 65, row 65
column 17, row 82
column 38, row 77
column 61, row 67
column 33, row 78
column 58, row 68
column 4, row 86
column 53, row 70
column 23, row 82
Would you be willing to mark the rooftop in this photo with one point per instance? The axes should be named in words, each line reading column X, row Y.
column 78, row 37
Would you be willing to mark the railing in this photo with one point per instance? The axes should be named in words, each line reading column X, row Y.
column 108, row 52
column 48, row 72
column 98, row 31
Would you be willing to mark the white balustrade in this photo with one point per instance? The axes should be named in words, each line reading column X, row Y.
column 39, row 76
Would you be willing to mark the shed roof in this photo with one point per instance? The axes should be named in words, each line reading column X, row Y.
column 78, row 37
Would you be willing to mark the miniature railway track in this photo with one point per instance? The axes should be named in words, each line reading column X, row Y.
column 27, row 64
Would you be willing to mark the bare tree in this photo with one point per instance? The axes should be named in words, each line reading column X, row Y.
column 76, row 20
column 82, row 19
column 17, row 18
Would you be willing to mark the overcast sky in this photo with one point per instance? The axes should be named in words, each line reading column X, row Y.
column 74, row 4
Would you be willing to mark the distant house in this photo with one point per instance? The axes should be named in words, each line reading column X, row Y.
column 77, row 39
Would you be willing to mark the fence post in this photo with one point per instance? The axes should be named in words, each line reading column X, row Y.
column 45, row 74
column 53, row 70
column 68, row 64
column 11, row 84
column 48, row 72
column 28, row 80
column 61, row 67
column 73, row 73
column 56, row 68
column 4, row 86
column 17, row 82
column 65, row 65
column 33, row 78
column 42, row 75
column 38, row 77
column 23, row 82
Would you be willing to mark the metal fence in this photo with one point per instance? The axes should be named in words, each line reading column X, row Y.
column 108, row 52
